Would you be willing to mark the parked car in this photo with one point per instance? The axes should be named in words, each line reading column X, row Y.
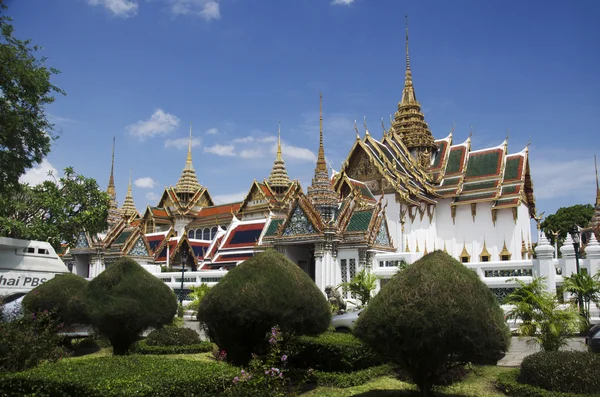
column 592, row 340
column 345, row 322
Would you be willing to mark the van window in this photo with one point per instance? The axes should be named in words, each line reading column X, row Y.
column 29, row 250
column 43, row 251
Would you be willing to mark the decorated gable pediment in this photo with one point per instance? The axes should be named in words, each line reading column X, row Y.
column 382, row 237
column 139, row 248
column 298, row 224
column 82, row 241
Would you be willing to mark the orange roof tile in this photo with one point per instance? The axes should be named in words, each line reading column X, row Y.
column 219, row 210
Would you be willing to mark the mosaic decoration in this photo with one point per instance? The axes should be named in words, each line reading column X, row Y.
column 299, row 224
column 501, row 293
column 508, row 273
column 344, row 270
column 382, row 236
column 82, row 241
column 139, row 249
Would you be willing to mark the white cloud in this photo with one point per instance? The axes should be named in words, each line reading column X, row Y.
column 245, row 139
column 120, row 8
column 159, row 123
column 558, row 174
column 182, row 143
column 251, row 153
column 39, row 173
column 268, row 139
column 294, row 152
column 342, row 2
column 212, row 131
column 205, row 9
column 145, row 182
column 221, row 150
column 229, row 198
column 152, row 196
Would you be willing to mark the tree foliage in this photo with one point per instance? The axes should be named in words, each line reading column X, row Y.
column 55, row 211
column 262, row 292
column 565, row 218
column 432, row 317
column 61, row 296
column 542, row 318
column 25, row 90
column 362, row 285
column 124, row 300
column 585, row 290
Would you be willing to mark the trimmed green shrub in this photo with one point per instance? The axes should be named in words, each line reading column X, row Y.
column 61, row 295
column 331, row 352
column 262, row 292
column 171, row 336
column 350, row 379
column 29, row 340
column 433, row 316
column 563, row 371
column 124, row 300
column 508, row 384
column 141, row 376
column 142, row 347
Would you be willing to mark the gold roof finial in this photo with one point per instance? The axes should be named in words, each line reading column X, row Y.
column 408, row 77
column 356, row 129
column 597, row 184
column 321, row 165
column 529, row 143
column 111, row 180
column 279, row 141
column 507, row 134
column 383, row 127
column 128, row 204
column 365, row 124
column 453, row 127
column 279, row 177
column 188, row 181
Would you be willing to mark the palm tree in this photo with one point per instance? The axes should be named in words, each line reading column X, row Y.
column 585, row 289
column 542, row 318
column 197, row 294
column 362, row 285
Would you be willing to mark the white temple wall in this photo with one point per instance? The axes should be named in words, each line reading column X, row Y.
column 299, row 255
column 392, row 214
column 420, row 233
column 81, row 266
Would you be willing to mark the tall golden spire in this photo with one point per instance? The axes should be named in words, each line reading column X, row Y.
column 111, row 180
column 114, row 214
column 409, row 122
column 320, row 192
column 128, row 208
column 278, row 179
column 188, row 181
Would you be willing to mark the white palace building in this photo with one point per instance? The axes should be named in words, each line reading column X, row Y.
column 396, row 197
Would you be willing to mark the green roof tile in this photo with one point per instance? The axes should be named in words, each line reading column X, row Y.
column 273, row 226
column 482, row 164
column 455, row 160
column 479, row 186
column 512, row 168
column 122, row 237
column 360, row 221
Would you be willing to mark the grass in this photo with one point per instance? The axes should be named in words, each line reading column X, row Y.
column 479, row 383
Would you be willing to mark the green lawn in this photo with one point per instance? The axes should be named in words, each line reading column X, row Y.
column 479, row 383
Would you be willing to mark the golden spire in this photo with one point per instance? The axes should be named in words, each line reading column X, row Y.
column 321, row 165
column 409, row 121
column 597, row 184
column 278, row 178
column 188, row 181
column 111, row 180
column 320, row 192
column 128, row 208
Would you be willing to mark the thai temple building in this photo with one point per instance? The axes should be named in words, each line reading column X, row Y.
column 395, row 198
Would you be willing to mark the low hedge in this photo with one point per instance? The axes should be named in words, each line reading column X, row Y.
column 562, row 371
column 143, row 347
column 331, row 352
column 350, row 379
column 173, row 336
column 118, row 376
column 508, row 384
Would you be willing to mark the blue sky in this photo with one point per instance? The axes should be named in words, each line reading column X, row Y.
column 142, row 70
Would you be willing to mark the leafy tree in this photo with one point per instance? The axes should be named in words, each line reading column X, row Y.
column 61, row 296
column 198, row 293
column 543, row 320
column 264, row 291
column 565, row 218
column 55, row 211
column 362, row 285
column 585, row 290
column 432, row 317
column 124, row 300
column 25, row 90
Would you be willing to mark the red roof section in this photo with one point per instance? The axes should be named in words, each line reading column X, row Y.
column 244, row 235
column 219, row 210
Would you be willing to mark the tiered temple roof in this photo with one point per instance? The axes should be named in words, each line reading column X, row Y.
column 128, row 210
column 114, row 214
column 188, row 181
column 279, row 177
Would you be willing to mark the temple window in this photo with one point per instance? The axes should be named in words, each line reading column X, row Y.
column 199, row 234
column 213, row 232
column 206, row 234
column 485, row 256
column 465, row 257
column 505, row 254
column 191, row 234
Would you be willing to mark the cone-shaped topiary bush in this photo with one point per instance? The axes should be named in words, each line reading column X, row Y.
column 264, row 291
column 124, row 300
column 60, row 295
column 433, row 316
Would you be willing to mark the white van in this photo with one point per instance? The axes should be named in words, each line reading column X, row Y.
column 25, row 264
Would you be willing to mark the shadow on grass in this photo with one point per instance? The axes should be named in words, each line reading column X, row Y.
column 402, row 393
